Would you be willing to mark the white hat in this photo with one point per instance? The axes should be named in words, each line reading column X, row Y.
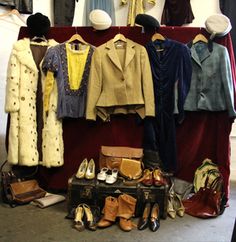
column 218, row 25
column 100, row 19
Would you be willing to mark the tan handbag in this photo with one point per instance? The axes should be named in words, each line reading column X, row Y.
column 130, row 169
column 111, row 156
column 26, row 191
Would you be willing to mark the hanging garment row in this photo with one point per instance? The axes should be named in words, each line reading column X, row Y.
column 81, row 139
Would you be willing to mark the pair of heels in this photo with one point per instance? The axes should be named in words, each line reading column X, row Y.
column 86, row 170
column 175, row 205
column 84, row 218
column 153, row 177
column 109, row 176
column 150, row 217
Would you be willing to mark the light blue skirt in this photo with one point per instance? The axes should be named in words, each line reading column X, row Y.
column 106, row 5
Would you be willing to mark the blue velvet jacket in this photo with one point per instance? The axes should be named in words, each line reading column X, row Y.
column 171, row 70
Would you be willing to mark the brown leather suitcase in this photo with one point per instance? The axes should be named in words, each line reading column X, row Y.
column 94, row 192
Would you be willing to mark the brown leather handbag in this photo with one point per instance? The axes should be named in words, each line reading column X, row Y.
column 111, row 156
column 26, row 191
column 206, row 203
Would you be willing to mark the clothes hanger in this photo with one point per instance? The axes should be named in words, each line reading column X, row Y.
column 200, row 37
column 77, row 37
column 158, row 36
column 40, row 38
column 119, row 40
column 119, row 37
column 13, row 12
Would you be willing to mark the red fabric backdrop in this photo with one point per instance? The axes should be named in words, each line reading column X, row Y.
column 201, row 135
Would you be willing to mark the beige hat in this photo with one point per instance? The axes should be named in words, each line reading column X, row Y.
column 218, row 25
column 100, row 19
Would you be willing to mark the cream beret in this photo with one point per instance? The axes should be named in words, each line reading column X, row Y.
column 100, row 19
column 218, row 25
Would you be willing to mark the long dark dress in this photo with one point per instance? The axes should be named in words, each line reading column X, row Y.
column 228, row 8
column 171, row 71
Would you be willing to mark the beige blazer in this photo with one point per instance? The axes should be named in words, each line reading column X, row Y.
column 120, row 81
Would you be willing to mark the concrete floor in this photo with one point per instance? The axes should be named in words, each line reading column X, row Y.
column 32, row 224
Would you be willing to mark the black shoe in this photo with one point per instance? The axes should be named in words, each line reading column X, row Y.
column 144, row 220
column 155, row 218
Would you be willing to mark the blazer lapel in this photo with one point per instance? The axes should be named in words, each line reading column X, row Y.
column 200, row 55
column 195, row 56
column 129, row 55
column 113, row 55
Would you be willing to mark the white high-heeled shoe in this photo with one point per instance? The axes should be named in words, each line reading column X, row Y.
column 80, row 174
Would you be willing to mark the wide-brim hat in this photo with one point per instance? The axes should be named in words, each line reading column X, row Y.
column 218, row 25
column 100, row 19
column 147, row 21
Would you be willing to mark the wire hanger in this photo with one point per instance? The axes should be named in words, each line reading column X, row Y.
column 77, row 37
column 200, row 37
column 13, row 12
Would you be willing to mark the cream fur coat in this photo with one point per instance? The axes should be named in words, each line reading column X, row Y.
column 22, row 78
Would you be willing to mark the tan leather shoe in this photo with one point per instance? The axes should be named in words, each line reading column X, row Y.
column 147, row 178
column 125, row 224
column 158, row 178
column 90, row 172
column 82, row 169
column 103, row 223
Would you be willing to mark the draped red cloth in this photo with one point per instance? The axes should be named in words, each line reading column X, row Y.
column 201, row 135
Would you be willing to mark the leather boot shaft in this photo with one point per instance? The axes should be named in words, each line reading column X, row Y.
column 126, row 211
column 110, row 209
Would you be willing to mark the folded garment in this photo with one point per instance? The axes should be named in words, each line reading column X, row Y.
column 48, row 200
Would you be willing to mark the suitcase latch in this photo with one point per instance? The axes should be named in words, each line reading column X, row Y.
column 87, row 193
column 146, row 195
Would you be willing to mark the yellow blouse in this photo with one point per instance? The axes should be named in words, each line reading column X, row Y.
column 135, row 7
column 76, row 60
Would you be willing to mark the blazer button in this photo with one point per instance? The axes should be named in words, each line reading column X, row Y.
column 23, row 98
column 122, row 78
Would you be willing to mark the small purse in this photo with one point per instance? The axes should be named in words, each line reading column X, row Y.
column 111, row 156
column 130, row 169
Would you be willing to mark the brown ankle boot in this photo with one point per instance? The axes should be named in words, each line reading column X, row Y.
column 110, row 212
column 126, row 210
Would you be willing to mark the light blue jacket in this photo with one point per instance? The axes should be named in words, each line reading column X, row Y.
column 211, row 84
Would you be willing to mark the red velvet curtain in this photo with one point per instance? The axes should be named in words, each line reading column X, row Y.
column 201, row 135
